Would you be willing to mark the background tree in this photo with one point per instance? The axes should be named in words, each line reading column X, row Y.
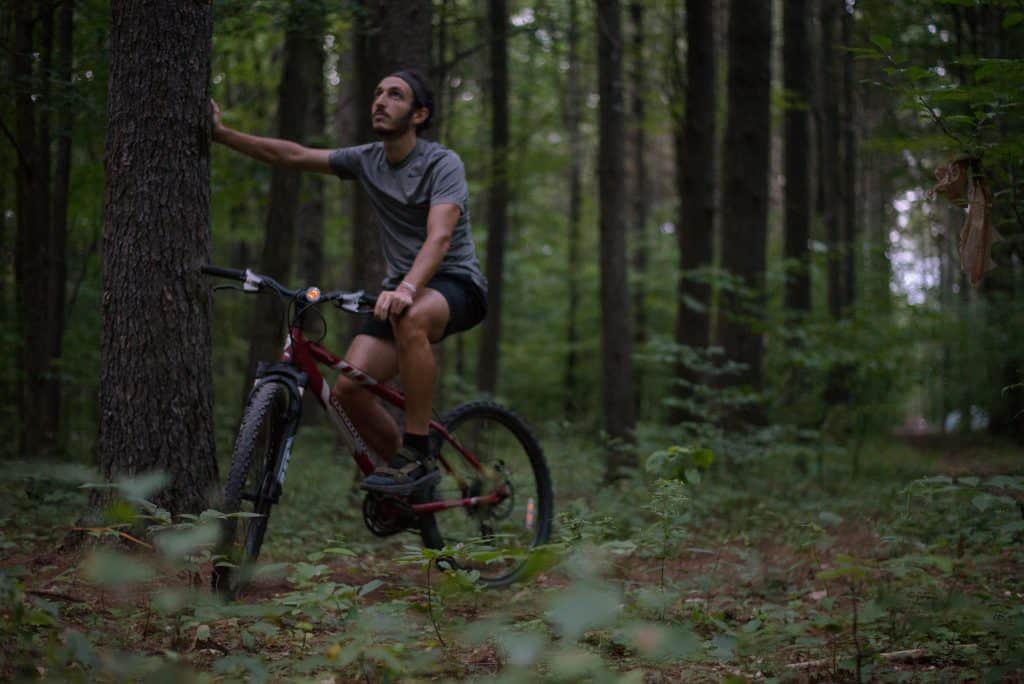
column 572, row 105
column 796, row 81
column 497, row 198
column 745, row 187
column 640, row 199
column 41, row 89
column 695, row 172
column 156, row 404
column 616, row 320
column 830, row 187
column 300, row 74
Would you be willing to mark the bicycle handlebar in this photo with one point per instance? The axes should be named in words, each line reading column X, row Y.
column 357, row 301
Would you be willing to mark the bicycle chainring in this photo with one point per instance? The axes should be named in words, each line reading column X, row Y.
column 387, row 515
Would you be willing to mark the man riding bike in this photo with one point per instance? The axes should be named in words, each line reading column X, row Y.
column 434, row 286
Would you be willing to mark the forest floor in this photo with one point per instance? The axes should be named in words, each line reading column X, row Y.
column 908, row 571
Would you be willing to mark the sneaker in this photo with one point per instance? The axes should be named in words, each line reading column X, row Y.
column 408, row 471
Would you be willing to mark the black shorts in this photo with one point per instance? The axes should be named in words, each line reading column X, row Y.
column 467, row 306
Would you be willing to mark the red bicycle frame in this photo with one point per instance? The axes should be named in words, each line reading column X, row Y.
column 305, row 354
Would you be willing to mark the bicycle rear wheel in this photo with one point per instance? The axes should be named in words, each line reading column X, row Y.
column 251, row 487
column 510, row 456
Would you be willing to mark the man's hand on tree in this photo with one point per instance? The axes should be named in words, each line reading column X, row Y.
column 215, row 118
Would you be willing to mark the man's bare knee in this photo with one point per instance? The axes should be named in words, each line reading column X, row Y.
column 349, row 391
column 412, row 328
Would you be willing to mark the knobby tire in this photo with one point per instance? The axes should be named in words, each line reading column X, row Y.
column 250, row 485
column 510, row 453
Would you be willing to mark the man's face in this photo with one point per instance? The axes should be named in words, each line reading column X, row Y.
column 392, row 112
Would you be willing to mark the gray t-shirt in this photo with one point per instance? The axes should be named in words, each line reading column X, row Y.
column 402, row 195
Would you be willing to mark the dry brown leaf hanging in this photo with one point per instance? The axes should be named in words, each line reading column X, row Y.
column 959, row 182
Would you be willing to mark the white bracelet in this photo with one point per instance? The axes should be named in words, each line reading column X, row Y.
column 409, row 286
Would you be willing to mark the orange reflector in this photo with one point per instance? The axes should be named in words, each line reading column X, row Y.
column 312, row 294
column 529, row 513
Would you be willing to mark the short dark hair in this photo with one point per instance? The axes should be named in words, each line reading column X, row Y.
column 422, row 94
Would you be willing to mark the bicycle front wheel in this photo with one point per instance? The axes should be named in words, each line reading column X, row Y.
column 251, row 487
column 494, row 538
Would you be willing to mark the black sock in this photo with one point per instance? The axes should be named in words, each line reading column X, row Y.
column 418, row 443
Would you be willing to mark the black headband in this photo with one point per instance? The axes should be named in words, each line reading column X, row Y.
column 419, row 89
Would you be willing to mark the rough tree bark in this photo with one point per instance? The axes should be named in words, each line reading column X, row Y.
column 497, row 200
column 156, row 405
column 616, row 322
column 746, row 165
column 695, row 177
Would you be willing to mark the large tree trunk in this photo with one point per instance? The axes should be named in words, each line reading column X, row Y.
column 695, row 176
column 642, row 194
column 497, row 201
column 796, row 63
column 302, row 67
column 616, row 321
column 573, row 114
column 746, row 163
column 156, row 404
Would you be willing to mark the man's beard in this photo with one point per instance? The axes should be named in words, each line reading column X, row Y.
column 400, row 128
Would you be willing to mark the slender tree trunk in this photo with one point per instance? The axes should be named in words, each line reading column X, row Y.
column 747, row 161
column 61, row 192
column 573, row 115
column 641, row 199
column 35, row 258
column 301, row 67
column 851, row 231
column 830, row 173
column 616, row 322
column 696, row 179
column 310, row 222
column 156, row 404
column 497, row 201
column 796, row 63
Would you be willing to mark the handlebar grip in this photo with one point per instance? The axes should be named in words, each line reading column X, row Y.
column 232, row 273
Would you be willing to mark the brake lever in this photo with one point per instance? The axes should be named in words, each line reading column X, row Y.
column 351, row 302
column 228, row 287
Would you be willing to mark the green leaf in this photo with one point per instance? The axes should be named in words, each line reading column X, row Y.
column 176, row 544
column 723, row 646
column 115, row 569
column 143, row 486
column 830, row 519
column 884, row 43
column 584, row 606
column 521, row 648
column 369, row 587
column 1012, row 19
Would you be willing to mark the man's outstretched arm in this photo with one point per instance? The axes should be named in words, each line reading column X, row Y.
column 270, row 150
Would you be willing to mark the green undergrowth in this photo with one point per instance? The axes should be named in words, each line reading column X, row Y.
column 696, row 568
